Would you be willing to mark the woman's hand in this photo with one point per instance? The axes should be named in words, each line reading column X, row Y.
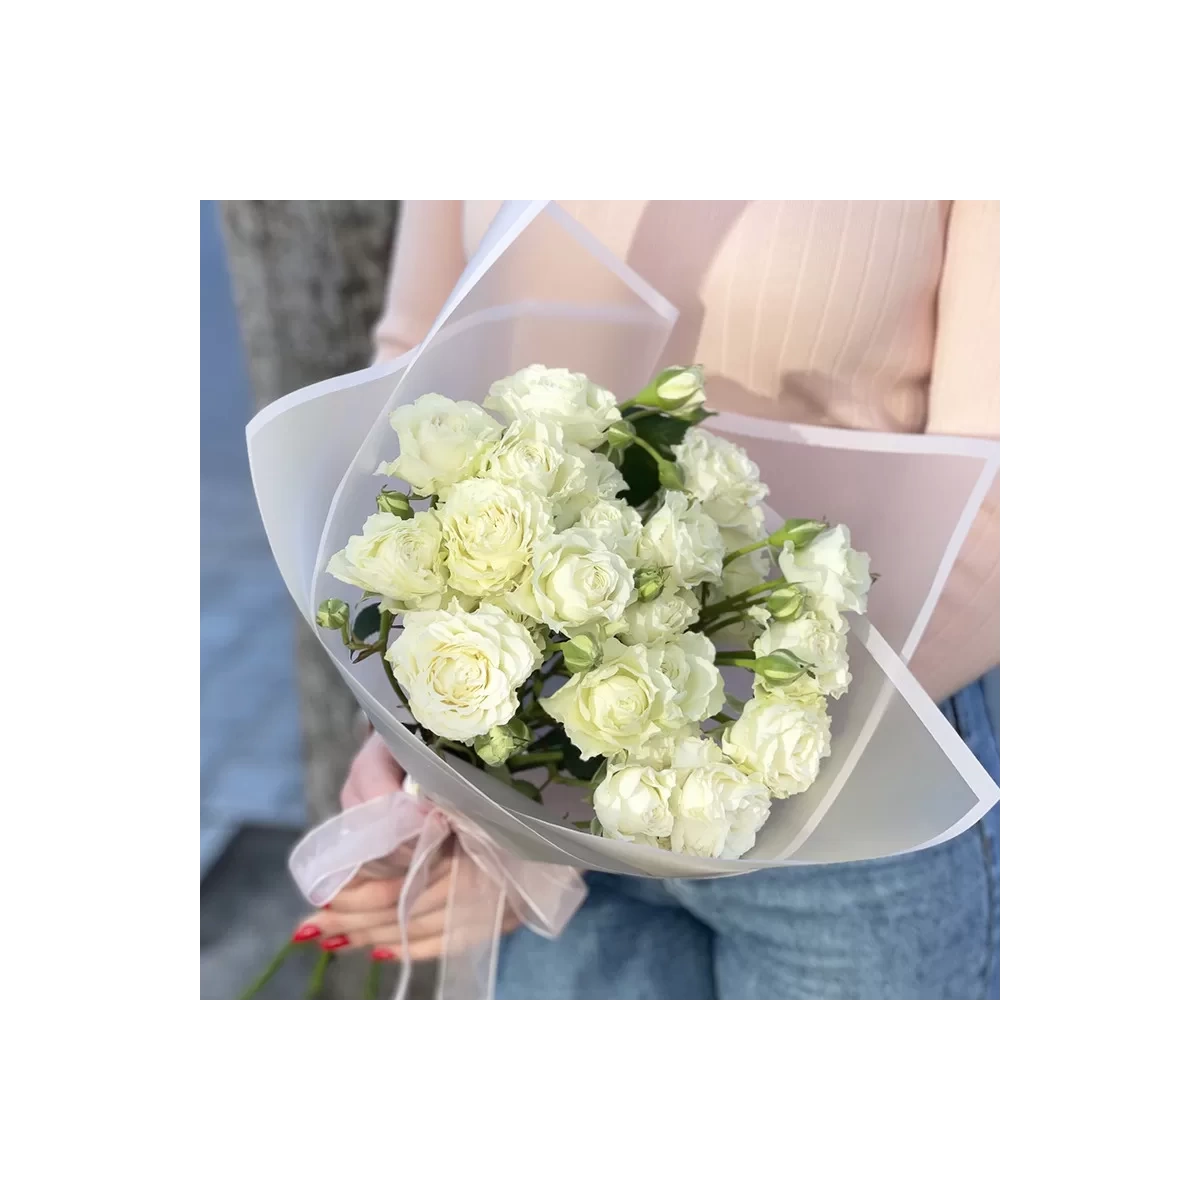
column 363, row 913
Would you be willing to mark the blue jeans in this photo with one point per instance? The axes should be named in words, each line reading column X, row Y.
column 920, row 926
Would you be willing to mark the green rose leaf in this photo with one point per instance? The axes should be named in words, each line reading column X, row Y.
column 366, row 622
column 641, row 476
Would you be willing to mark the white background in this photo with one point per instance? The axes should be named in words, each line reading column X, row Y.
column 120, row 118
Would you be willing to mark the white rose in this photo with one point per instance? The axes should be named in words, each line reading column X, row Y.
column 701, row 823
column 779, row 742
column 666, row 749
column 576, row 582
column 746, row 821
column 633, row 804
column 400, row 559
column 816, row 640
column 672, row 611
column 615, row 706
column 723, row 477
column 532, row 455
column 688, row 663
column 708, row 802
column 683, row 539
column 461, row 671
column 694, row 751
column 598, row 481
column 489, row 530
column 829, row 568
column 565, row 398
column 616, row 522
column 441, row 442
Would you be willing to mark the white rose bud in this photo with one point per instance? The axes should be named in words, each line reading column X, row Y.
column 500, row 743
column 666, row 616
column 723, row 477
column 333, row 614
column 461, row 671
column 778, row 669
column 576, row 581
column 786, row 603
column 779, row 742
column 395, row 504
column 633, row 804
column 560, row 397
column 441, row 442
column 683, row 539
column 798, row 531
column 676, row 390
column 489, row 529
column 648, row 582
column 581, row 653
column 815, row 640
column 828, row 567
column 618, row 705
column 402, row 559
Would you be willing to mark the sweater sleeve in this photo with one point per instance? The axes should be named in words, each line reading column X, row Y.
column 427, row 260
column 962, row 640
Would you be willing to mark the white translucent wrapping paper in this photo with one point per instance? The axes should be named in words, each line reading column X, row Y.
column 899, row 777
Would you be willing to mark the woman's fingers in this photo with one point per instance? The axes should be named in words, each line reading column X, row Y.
column 422, row 949
column 430, row 925
column 365, row 894
column 374, row 772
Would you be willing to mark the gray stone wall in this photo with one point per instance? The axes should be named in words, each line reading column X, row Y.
column 309, row 280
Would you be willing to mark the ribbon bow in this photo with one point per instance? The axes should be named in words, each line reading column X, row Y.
column 483, row 880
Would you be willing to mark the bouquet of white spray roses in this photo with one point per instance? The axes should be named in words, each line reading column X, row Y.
column 545, row 595
column 555, row 591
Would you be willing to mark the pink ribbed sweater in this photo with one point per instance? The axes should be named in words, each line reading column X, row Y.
column 865, row 314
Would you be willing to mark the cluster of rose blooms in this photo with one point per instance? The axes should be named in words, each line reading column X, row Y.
column 533, row 619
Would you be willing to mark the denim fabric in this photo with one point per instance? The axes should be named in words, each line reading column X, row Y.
column 919, row 926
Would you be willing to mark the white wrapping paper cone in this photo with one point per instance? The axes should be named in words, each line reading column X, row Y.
column 899, row 777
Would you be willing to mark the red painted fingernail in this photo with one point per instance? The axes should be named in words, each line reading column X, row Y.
column 382, row 954
column 306, row 933
column 336, row 942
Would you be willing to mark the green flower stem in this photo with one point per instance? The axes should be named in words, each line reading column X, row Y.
column 519, row 762
column 746, row 550
column 736, row 658
column 740, row 600
column 371, row 991
column 317, row 979
column 654, row 454
column 734, row 703
column 555, row 777
column 391, row 678
column 724, row 623
column 646, row 412
column 273, row 966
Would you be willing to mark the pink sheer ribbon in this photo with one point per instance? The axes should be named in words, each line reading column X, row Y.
column 483, row 880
